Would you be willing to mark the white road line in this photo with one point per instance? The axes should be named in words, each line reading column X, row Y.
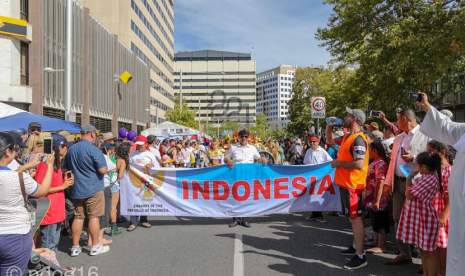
column 238, row 256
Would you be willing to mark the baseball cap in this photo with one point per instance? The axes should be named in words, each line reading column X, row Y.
column 60, row 140
column 20, row 131
column 67, row 135
column 298, row 141
column 107, row 145
column 88, row 129
column 358, row 114
column 141, row 140
column 17, row 138
column 34, row 124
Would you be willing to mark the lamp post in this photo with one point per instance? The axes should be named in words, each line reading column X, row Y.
column 156, row 113
column 180, row 90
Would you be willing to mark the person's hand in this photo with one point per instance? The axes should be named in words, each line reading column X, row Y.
column 50, row 159
column 412, row 175
column 334, row 164
column 68, row 182
column 424, row 100
column 375, row 206
column 407, row 157
column 264, row 161
column 36, row 160
column 443, row 219
column 382, row 116
column 231, row 163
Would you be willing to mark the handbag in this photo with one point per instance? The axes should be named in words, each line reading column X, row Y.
column 31, row 210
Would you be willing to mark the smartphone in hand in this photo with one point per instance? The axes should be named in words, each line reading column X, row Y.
column 374, row 113
column 47, row 145
column 402, row 151
column 69, row 174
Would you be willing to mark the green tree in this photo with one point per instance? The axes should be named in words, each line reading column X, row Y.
column 186, row 117
column 229, row 125
column 398, row 46
column 260, row 127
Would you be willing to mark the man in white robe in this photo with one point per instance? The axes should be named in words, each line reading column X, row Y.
column 439, row 127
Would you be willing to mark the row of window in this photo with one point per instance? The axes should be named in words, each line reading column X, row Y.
column 216, row 87
column 268, row 85
column 160, row 89
column 196, row 101
column 286, row 78
column 159, row 104
column 223, row 94
column 286, row 90
column 153, row 119
column 210, row 58
column 154, row 17
column 162, row 15
column 155, row 35
column 215, row 80
column 168, row 11
column 152, row 65
column 286, row 84
column 150, row 46
column 214, row 73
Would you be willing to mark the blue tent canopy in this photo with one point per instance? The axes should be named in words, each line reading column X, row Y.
column 22, row 120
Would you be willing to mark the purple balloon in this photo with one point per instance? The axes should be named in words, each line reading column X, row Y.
column 132, row 135
column 122, row 132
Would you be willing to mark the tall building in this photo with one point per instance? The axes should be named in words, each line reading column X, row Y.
column 147, row 27
column 223, row 83
column 98, row 56
column 274, row 88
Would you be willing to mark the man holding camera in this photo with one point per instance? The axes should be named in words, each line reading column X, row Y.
column 407, row 146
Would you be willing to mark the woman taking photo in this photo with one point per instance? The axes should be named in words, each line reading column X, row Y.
column 50, row 227
column 15, row 229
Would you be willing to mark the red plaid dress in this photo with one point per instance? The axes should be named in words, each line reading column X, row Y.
column 419, row 221
column 439, row 205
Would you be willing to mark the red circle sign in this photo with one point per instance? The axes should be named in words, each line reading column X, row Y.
column 318, row 104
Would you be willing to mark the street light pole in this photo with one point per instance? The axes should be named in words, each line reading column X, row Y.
column 180, row 89
column 69, row 58
column 199, row 113
column 156, row 114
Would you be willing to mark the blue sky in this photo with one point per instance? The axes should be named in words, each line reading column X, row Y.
column 280, row 31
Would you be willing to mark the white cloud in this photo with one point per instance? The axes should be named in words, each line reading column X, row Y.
column 281, row 32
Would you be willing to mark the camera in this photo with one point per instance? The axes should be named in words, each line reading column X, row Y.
column 374, row 113
column 414, row 96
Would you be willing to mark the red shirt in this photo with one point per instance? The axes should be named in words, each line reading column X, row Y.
column 57, row 212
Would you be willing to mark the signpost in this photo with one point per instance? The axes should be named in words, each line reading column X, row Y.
column 318, row 110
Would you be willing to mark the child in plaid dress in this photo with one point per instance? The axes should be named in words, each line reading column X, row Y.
column 441, row 202
column 419, row 221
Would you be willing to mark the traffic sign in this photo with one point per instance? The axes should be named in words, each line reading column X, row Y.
column 318, row 107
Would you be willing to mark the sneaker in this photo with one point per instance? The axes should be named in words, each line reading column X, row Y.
column 99, row 250
column 75, row 251
column 310, row 218
column 356, row 263
column 349, row 251
column 115, row 231
column 321, row 219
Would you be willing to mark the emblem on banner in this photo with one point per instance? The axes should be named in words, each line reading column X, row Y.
column 146, row 184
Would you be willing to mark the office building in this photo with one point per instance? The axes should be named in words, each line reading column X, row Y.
column 98, row 97
column 147, row 27
column 224, row 82
column 274, row 88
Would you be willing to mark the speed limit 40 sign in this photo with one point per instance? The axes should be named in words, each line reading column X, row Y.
column 318, row 107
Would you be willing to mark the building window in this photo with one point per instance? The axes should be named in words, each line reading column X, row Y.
column 24, row 63
column 24, row 5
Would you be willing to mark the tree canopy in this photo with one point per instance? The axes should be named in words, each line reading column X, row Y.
column 186, row 117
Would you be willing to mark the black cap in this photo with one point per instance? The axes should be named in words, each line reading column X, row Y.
column 17, row 138
column 34, row 124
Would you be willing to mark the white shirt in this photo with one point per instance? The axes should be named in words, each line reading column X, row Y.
column 389, row 141
column 243, row 155
column 155, row 152
column 317, row 156
column 189, row 150
column 202, row 147
column 406, row 144
column 13, row 215
column 13, row 165
column 110, row 166
column 139, row 159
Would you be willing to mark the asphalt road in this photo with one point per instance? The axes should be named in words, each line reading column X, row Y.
column 275, row 245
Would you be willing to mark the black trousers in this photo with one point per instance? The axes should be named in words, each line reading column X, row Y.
column 240, row 219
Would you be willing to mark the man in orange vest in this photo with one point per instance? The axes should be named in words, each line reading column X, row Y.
column 351, row 172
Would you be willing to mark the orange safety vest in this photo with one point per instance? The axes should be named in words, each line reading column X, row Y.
column 351, row 179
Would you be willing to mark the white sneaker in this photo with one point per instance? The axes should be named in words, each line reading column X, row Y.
column 75, row 251
column 100, row 250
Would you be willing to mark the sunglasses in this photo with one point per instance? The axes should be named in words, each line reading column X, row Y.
column 244, row 136
column 313, row 142
column 35, row 129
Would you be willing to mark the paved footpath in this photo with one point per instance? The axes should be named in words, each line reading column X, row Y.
column 275, row 245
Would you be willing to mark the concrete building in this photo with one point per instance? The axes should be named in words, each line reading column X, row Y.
column 274, row 88
column 98, row 55
column 147, row 27
column 223, row 81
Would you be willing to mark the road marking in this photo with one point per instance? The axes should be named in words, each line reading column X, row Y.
column 238, row 255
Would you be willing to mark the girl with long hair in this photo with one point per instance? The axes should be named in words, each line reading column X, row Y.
column 122, row 153
column 419, row 221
